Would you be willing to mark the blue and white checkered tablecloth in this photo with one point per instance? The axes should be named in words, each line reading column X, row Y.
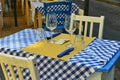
column 79, row 67
column 50, row 68
column 97, row 53
column 21, row 39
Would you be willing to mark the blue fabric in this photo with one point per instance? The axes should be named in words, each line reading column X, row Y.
column 97, row 53
column 66, row 52
column 22, row 39
column 110, row 64
column 50, row 68
column 56, row 34
column 95, row 56
column 74, row 8
column 60, row 9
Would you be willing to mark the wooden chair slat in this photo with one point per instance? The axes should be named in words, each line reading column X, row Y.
column 12, row 71
column 91, row 29
column 20, row 73
column 85, row 31
column 4, row 71
column 18, row 62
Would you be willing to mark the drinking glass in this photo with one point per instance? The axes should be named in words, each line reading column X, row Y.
column 40, row 34
column 51, row 23
column 79, row 42
column 69, row 28
column 79, row 38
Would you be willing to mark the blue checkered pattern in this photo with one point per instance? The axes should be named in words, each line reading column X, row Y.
column 73, row 9
column 26, row 72
column 60, row 9
column 79, row 67
column 97, row 53
column 60, row 15
column 22, row 39
column 50, row 68
column 41, row 9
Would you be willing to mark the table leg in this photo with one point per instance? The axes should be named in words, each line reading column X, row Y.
column 17, row 1
column 27, row 13
column 3, row 5
column 22, row 6
column 40, row 19
column 15, row 13
column 35, row 20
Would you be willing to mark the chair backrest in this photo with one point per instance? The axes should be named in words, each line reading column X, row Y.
column 81, row 12
column 86, row 24
column 19, row 63
column 61, row 9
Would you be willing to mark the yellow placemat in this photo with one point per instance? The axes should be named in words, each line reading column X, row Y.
column 52, row 50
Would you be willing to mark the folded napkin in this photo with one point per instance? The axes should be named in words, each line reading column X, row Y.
column 65, row 52
column 56, row 34
column 53, row 35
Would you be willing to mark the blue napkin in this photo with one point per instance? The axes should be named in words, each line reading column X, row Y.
column 56, row 34
column 65, row 52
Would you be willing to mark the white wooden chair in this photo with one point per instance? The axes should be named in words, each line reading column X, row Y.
column 87, row 23
column 18, row 62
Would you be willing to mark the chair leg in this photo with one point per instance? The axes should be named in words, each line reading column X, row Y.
column 22, row 6
column 27, row 13
column 39, row 19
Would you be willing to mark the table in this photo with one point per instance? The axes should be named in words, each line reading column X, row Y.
column 38, row 8
column 96, row 45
